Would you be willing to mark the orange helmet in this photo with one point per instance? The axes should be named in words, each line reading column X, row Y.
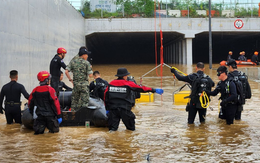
column 43, row 75
column 61, row 50
column 256, row 52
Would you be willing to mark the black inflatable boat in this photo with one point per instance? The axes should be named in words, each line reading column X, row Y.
column 95, row 113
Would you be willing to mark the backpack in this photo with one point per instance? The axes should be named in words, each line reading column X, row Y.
column 199, row 84
column 134, row 95
column 242, row 86
column 246, row 87
column 99, row 89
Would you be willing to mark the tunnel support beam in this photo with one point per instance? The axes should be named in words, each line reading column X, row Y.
column 184, row 52
column 189, row 51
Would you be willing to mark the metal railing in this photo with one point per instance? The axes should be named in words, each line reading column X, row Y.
column 175, row 8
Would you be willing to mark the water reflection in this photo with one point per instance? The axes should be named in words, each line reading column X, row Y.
column 161, row 130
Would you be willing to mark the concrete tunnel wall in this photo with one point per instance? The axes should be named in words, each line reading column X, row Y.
column 30, row 33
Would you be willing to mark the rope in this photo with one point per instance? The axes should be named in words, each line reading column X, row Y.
column 204, row 100
column 155, row 68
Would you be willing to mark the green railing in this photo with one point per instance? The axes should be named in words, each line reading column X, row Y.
column 176, row 8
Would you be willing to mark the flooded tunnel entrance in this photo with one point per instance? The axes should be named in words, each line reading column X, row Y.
column 126, row 48
column 139, row 48
column 222, row 43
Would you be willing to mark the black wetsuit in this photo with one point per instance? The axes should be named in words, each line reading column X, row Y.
column 194, row 106
column 55, row 65
column 12, row 92
column 248, row 90
column 97, row 87
column 255, row 59
column 229, row 96
column 63, row 85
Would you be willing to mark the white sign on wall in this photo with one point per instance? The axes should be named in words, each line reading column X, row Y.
column 105, row 5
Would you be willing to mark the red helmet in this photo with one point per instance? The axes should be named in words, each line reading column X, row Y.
column 43, row 75
column 61, row 50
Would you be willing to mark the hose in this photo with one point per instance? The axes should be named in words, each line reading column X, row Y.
column 204, row 100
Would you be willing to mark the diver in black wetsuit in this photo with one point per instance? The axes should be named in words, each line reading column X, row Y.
column 12, row 92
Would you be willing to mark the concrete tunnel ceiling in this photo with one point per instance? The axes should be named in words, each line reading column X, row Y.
column 138, row 48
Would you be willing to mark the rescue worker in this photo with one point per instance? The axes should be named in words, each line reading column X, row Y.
column 98, row 86
column 230, row 53
column 47, row 105
column 62, row 84
column 55, row 65
column 195, row 106
column 234, row 73
column 12, row 93
column 242, row 56
column 255, row 58
column 81, row 70
column 228, row 91
column 118, row 100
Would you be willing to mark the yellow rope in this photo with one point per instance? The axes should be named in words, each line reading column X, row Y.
column 204, row 100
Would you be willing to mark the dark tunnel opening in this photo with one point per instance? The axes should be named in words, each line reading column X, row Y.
column 125, row 48
column 222, row 43
column 139, row 48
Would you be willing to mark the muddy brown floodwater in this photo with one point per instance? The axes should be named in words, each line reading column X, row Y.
column 161, row 132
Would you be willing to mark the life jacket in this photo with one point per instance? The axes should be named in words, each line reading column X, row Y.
column 119, row 97
column 200, row 83
column 226, row 93
column 242, row 85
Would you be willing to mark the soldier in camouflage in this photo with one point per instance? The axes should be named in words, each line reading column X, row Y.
column 81, row 70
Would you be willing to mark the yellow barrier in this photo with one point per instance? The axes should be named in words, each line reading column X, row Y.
column 146, row 97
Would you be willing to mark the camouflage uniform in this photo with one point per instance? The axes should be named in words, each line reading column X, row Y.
column 80, row 93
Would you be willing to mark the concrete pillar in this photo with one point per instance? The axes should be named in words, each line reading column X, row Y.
column 184, row 56
column 171, row 54
column 189, row 50
column 180, row 52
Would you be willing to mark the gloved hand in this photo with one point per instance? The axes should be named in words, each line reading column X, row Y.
column 59, row 120
column 159, row 91
column 173, row 70
column 1, row 110
column 223, row 103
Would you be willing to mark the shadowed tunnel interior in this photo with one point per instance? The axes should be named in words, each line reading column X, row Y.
column 138, row 48
column 222, row 43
